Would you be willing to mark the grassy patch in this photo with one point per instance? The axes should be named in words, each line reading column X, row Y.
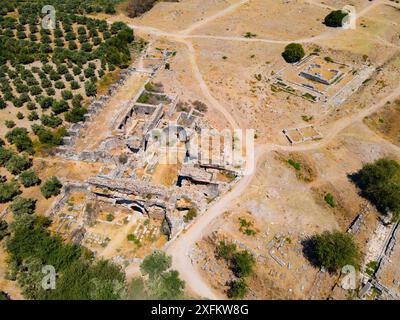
column 294, row 164
column 330, row 200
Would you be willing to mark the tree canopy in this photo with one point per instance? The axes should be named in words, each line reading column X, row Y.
column 335, row 18
column 294, row 52
column 51, row 187
column 162, row 283
column 335, row 249
column 155, row 263
column 380, row 183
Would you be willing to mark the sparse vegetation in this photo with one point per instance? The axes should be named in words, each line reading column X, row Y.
column 190, row 215
column 294, row 164
column 245, row 227
column 330, row 200
column 249, row 35
column 241, row 263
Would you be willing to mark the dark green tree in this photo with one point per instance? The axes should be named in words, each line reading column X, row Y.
column 380, row 183
column 335, row 249
column 155, row 263
column 237, row 289
column 51, row 187
column 29, row 178
column 335, row 18
column 294, row 52
column 22, row 205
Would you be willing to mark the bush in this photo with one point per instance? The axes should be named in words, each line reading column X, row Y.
column 3, row 104
column 335, row 18
column 237, row 289
column 190, row 215
column 168, row 286
column 48, row 137
column 51, row 121
column 29, row 178
column 242, row 264
column 8, row 191
column 76, row 115
column 51, row 187
column 334, row 250
column 60, row 106
column 46, row 102
column 19, row 137
column 330, row 200
column 66, row 94
column 90, row 88
column 59, row 85
column 225, row 251
column 21, row 206
column 9, row 124
column 75, row 85
column 5, row 155
column 17, row 164
column 33, row 116
column 294, row 52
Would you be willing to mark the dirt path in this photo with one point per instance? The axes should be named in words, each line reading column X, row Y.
column 205, row 90
column 219, row 14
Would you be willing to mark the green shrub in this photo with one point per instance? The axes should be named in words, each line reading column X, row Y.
column 9, row 124
column 190, row 215
column 51, row 121
column 17, row 164
column 76, row 115
column 29, row 178
column 8, row 191
column 22, row 205
column 242, row 264
column 60, row 106
column 330, row 200
column 5, row 155
column 237, row 289
column 294, row 164
column 226, row 251
column 90, row 88
column 294, row 52
column 51, row 187
column 335, row 18
column 334, row 250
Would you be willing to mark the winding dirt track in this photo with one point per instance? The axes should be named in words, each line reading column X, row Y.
column 180, row 246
